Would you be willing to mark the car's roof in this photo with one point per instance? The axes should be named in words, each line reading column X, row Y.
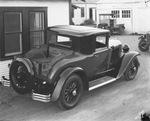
column 77, row 31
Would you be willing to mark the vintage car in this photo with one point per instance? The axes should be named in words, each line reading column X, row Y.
column 75, row 58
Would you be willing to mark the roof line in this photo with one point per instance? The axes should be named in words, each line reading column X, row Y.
column 121, row 2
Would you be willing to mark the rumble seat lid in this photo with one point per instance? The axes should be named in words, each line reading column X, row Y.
column 77, row 31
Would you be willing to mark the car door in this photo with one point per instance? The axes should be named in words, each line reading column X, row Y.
column 101, row 56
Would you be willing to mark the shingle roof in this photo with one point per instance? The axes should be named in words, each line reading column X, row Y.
column 77, row 31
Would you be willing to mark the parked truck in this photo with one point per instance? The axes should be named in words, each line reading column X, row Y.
column 108, row 21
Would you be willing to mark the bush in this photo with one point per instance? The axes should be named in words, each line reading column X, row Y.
column 88, row 22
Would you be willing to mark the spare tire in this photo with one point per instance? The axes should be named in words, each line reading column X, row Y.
column 20, row 78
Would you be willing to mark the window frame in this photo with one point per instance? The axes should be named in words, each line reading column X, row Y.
column 116, row 13
column 105, row 43
column 25, row 28
column 56, row 41
column 126, row 13
column 15, row 32
column 41, row 30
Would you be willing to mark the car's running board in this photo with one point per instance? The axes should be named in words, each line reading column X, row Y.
column 100, row 82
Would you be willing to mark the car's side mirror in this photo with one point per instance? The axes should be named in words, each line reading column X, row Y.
column 125, row 48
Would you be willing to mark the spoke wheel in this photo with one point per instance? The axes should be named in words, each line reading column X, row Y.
column 20, row 78
column 71, row 92
column 131, row 70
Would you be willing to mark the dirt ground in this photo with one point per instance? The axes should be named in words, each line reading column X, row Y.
column 118, row 101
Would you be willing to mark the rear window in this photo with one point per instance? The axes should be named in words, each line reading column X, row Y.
column 54, row 38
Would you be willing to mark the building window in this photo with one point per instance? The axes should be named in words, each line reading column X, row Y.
column 91, row 13
column 116, row 13
column 72, row 13
column 82, row 11
column 21, row 29
column 13, row 33
column 126, row 14
column 36, row 29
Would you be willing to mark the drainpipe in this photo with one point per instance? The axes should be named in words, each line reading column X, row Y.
column 86, row 11
column 70, row 8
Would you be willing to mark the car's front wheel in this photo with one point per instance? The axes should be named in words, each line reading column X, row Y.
column 71, row 92
column 20, row 78
column 131, row 70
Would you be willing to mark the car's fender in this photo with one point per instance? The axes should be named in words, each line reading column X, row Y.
column 27, row 63
column 63, row 77
column 126, row 59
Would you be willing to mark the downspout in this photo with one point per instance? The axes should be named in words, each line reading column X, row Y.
column 70, row 8
column 132, row 17
column 86, row 11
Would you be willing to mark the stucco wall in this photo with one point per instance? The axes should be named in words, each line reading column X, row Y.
column 58, row 11
column 141, row 20
column 77, row 19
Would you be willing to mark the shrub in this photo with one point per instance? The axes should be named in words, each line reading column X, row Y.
column 88, row 22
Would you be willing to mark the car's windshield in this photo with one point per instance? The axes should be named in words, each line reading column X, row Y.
column 54, row 38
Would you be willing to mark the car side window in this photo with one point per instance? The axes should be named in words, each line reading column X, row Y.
column 64, row 41
column 100, row 42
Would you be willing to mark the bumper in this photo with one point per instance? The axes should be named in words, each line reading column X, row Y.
column 5, row 82
column 41, row 97
column 35, row 96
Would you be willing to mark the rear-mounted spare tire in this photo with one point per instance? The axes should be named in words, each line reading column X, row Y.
column 20, row 78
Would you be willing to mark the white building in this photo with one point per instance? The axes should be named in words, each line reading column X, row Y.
column 22, row 25
column 86, row 10
column 134, row 14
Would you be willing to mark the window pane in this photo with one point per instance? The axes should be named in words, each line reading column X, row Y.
column 13, row 33
column 13, row 44
column 12, row 22
column 82, row 12
column 36, row 39
column 101, row 39
column 100, row 42
column 72, row 13
column 36, row 21
column 64, row 41
column 116, row 13
column 126, row 14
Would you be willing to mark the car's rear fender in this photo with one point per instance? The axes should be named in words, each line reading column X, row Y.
column 126, row 59
column 63, row 77
column 27, row 63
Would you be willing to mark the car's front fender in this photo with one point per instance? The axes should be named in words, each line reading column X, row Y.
column 126, row 59
column 63, row 77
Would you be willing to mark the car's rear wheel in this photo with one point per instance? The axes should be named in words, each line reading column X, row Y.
column 20, row 78
column 131, row 70
column 71, row 92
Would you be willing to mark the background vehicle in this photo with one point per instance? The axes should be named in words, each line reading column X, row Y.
column 144, row 42
column 75, row 58
column 108, row 22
